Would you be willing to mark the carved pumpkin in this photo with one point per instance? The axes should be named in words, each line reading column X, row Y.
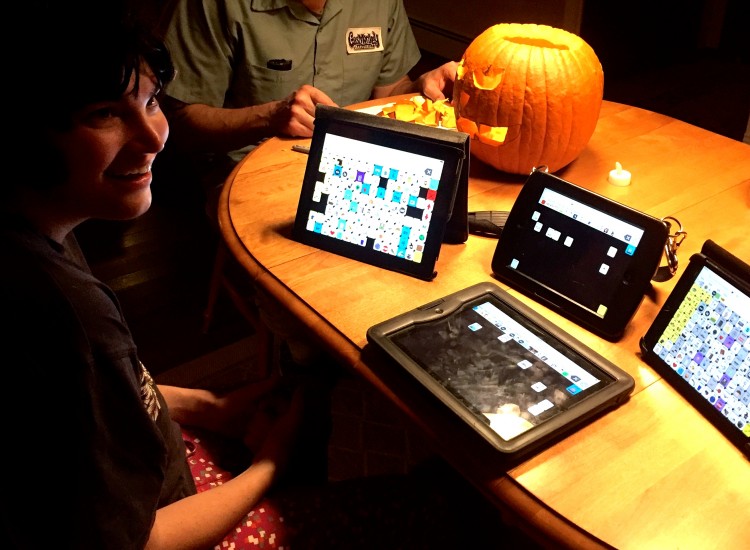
column 528, row 95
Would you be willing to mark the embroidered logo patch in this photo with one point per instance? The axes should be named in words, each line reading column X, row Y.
column 364, row 39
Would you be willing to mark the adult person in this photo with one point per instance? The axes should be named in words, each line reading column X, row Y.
column 96, row 454
column 247, row 70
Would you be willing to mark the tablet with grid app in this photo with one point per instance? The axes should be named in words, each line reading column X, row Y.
column 382, row 191
column 699, row 341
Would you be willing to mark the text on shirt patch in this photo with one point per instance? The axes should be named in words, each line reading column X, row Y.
column 364, row 39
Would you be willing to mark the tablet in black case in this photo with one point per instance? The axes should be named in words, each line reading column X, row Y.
column 515, row 378
column 587, row 257
column 699, row 341
column 383, row 191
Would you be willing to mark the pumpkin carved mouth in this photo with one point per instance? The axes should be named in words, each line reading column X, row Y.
column 528, row 95
column 490, row 135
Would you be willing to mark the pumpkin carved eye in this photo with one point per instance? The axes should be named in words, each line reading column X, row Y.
column 528, row 95
column 487, row 79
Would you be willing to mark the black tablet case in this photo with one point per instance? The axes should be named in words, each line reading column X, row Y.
column 736, row 272
column 455, row 143
column 572, row 266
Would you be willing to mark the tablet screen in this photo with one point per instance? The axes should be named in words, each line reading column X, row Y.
column 376, row 195
column 600, row 248
column 589, row 257
column 502, row 366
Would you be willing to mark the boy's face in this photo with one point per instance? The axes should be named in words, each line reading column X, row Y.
column 109, row 152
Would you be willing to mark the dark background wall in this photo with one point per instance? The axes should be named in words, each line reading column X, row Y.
column 689, row 59
column 640, row 34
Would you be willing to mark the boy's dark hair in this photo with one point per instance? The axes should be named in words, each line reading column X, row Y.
column 86, row 51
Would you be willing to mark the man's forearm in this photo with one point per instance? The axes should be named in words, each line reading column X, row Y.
column 403, row 86
column 197, row 127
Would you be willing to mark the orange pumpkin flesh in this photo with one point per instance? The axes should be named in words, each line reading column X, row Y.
column 528, row 95
column 421, row 110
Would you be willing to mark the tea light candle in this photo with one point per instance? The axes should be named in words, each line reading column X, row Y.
column 618, row 176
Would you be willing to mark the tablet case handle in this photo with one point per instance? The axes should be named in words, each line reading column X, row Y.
column 674, row 240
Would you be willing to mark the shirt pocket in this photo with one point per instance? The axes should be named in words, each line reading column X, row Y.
column 257, row 84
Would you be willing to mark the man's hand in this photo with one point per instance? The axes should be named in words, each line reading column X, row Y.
column 435, row 84
column 295, row 114
column 438, row 83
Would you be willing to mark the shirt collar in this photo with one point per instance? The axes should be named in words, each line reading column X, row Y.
column 333, row 7
column 268, row 5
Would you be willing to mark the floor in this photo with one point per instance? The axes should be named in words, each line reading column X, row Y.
column 159, row 266
column 369, row 437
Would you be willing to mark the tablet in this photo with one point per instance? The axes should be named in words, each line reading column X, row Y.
column 383, row 191
column 699, row 341
column 514, row 377
column 587, row 257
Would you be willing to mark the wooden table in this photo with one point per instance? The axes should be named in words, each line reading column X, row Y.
column 651, row 474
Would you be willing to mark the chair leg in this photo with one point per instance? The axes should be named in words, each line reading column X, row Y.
column 215, row 284
column 265, row 338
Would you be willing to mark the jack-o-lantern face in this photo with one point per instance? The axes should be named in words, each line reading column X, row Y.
column 528, row 95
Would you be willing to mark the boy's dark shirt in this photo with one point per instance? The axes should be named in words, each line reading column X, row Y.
column 79, row 442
